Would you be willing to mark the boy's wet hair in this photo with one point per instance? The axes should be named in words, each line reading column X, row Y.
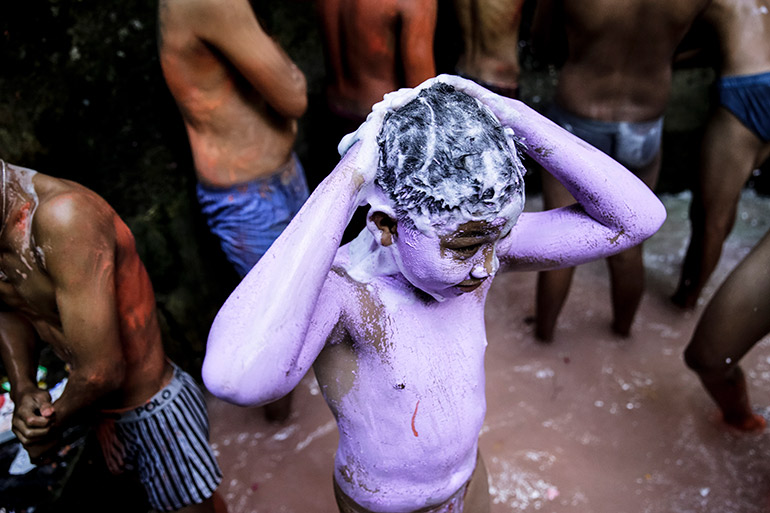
column 445, row 153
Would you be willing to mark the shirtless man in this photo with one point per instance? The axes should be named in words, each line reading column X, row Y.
column 737, row 138
column 71, row 277
column 373, row 47
column 612, row 92
column 394, row 321
column 240, row 96
column 491, row 43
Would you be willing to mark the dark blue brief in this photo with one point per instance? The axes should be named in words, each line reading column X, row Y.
column 748, row 98
column 248, row 217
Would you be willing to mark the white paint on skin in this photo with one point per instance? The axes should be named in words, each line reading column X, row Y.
column 25, row 194
column 454, row 195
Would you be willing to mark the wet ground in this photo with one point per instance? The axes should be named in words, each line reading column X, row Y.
column 589, row 423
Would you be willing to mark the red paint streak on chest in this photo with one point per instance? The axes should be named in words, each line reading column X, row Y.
column 414, row 415
column 23, row 216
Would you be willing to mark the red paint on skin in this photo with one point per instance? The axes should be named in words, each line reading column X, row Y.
column 23, row 216
column 414, row 415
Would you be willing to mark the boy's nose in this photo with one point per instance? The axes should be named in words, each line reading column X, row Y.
column 488, row 267
column 479, row 272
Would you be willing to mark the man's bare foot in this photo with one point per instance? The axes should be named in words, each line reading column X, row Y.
column 621, row 330
column 754, row 423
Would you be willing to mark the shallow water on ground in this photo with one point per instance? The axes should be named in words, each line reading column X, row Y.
column 588, row 423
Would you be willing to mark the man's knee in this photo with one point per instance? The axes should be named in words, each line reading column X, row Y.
column 706, row 363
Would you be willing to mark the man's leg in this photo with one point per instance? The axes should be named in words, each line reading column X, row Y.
column 626, row 288
column 729, row 154
column 627, row 268
column 552, row 286
column 736, row 318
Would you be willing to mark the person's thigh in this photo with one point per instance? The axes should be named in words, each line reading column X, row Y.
column 729, row 154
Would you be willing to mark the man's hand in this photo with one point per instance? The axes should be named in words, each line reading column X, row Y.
column 33, row 419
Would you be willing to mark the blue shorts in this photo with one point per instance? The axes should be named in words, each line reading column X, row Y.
column 748, row 98
column 165, row 441
column 634, row 145
column 248, row 217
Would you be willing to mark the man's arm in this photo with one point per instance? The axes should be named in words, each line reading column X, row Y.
column 548, row 32
column 418, row 29
column 232, row 28
column 615, row 210
column 78, row 237
column 32, row 411
column 329, row 11
column 273, row 326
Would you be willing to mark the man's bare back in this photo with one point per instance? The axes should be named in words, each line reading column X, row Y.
column 742, row 27
column 374, row 47
column 491, row 42
column 239, row 94
column 71, row 277
column 70, row 264
column 620, row 56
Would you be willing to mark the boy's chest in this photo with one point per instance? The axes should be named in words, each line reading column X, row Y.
column 419, row 346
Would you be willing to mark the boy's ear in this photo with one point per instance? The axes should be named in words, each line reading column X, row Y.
column 384, row 224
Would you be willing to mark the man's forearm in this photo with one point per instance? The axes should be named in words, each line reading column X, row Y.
column 18, row 350
column 80, row 400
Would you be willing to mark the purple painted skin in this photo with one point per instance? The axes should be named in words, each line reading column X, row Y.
column 394, row 321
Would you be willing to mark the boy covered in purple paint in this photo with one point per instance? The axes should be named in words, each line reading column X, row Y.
column 393, row 322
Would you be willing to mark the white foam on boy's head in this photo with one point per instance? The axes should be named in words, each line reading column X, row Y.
column 444, row 159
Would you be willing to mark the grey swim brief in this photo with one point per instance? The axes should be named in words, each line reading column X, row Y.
column 634, row 145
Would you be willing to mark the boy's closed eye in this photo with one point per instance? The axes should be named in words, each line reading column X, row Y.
column 466, row 247
column 467, row 251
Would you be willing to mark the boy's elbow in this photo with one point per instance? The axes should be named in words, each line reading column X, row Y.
column 222, row 387
column 655, row 218
column 230, row 386
column 650, row 220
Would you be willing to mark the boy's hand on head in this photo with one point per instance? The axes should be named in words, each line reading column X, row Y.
column 499, row 105
column 366, row 159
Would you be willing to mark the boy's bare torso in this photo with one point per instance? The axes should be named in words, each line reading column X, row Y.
column 620, row 56
column 28, row 288
column 404, row 376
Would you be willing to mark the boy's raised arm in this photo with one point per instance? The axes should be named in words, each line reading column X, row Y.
column 259, row 346
column 615, row 210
